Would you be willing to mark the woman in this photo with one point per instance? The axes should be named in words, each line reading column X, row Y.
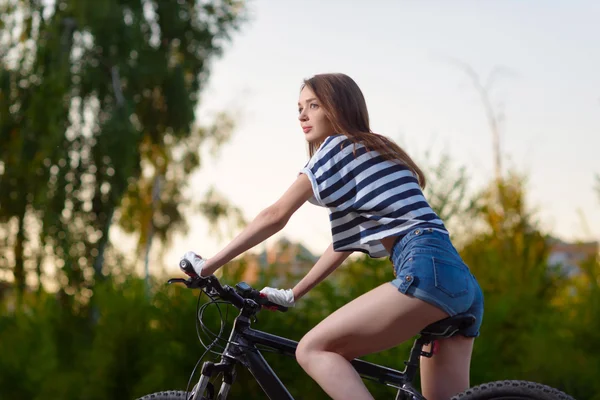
column 374, row 192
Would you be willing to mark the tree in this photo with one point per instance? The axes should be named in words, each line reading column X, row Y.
column 508, row 255
column 97, row 102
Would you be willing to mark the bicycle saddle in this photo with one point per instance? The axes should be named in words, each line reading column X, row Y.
column 448, row 327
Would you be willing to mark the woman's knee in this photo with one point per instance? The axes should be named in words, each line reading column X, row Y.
column 303, row 351
column 309, row 346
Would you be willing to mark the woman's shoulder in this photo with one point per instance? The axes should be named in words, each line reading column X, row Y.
column 333, row 146
column 337, row 138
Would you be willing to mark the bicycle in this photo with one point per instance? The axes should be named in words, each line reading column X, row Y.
column 242, row 348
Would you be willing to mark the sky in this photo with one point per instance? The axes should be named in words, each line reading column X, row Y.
column 399, row 53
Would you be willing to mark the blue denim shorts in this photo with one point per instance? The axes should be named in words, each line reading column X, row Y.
column 428, row 267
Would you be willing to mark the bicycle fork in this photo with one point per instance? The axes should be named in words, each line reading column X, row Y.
column 204, row 389
column 226, row 366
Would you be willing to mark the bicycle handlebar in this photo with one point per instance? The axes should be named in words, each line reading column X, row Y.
column 236, row 296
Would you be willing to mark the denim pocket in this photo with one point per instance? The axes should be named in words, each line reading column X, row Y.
column 450, row 277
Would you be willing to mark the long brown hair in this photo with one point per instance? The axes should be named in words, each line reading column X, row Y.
column 345, row 107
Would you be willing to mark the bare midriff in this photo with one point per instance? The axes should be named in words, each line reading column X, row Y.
column 388, row 242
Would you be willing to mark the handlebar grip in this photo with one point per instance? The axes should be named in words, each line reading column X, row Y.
column 263, row 301
column 278, row 307
column 249, row 292
column 187, row 268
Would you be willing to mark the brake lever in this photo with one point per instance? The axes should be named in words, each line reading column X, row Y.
column 190, row 283
column 178, row 280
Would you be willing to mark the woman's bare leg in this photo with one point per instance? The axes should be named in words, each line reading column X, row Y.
column 375, row 321
column 447, row 372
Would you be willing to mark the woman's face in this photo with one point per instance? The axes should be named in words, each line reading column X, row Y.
column 314, row 122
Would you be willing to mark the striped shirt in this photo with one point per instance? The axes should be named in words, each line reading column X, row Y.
column 369, row 198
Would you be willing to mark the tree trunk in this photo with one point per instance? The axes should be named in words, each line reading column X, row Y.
column 19, row 271
column 99, row 261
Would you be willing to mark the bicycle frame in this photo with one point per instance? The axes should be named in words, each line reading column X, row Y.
column 242, row 348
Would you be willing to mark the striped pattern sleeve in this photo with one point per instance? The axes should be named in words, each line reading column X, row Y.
column 328, row 170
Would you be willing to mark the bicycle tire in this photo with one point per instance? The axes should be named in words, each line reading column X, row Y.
column 167, row 395
column 512, row 390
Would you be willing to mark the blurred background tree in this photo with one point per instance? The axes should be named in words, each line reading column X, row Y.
column 97, row 112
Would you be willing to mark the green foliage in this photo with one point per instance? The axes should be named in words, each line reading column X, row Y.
column 137, row 345
column 531, row 310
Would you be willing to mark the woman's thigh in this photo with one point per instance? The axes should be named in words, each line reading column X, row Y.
column 380, row 319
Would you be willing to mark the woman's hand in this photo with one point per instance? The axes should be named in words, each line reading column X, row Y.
column 283, row 297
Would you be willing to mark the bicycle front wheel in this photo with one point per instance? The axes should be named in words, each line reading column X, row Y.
column 168, row 395
column 512, row 390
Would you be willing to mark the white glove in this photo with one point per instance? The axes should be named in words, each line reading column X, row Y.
column 196, row 261
column 283, row 297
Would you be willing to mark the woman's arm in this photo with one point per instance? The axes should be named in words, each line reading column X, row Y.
column 268, row 222
column 328, row 262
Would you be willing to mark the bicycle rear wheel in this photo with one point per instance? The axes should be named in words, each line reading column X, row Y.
column 512, row 390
